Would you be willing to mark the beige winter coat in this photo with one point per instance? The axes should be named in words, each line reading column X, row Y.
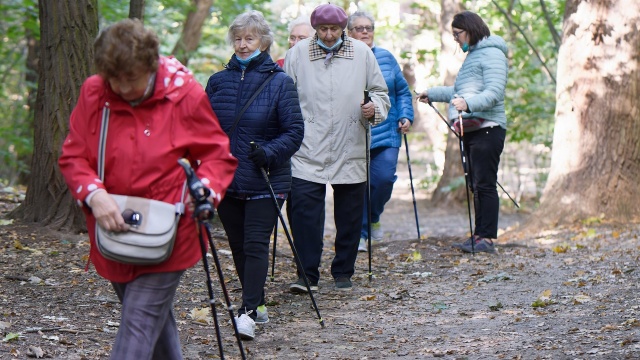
column 334, row 146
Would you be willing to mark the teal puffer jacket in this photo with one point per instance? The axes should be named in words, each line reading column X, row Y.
column 481, row 81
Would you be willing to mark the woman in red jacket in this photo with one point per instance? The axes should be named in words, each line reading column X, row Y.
column 158, row 113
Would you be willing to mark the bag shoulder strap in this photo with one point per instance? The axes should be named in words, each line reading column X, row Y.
column 246, row 106
column 104, row 126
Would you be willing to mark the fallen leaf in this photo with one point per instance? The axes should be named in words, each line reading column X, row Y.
column 201, row 315
column 543, row 300
column 34, row 351
column 559, row 249
column 581, row 299
column 11, row 336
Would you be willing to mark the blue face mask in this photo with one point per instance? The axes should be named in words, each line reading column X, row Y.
column 245, row 62
column 465, row 47
column 335, row 46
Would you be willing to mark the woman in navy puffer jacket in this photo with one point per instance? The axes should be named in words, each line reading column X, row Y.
column 273, row 121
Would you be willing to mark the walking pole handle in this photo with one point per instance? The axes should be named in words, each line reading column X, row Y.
column 456, row 96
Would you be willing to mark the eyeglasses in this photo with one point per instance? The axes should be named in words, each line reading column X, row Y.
column 457, row 33
column 363, row 28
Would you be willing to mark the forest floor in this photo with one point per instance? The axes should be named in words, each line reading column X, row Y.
column 567, row 293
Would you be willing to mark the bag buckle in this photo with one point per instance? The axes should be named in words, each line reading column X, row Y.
column 132, row 217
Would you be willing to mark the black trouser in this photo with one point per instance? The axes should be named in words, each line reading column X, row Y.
column 307, row 215
column 249, row 224
column 483, row 148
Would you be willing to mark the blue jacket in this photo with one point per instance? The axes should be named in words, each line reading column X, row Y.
column 481, row 81
column 386, row 133
column 273, row 121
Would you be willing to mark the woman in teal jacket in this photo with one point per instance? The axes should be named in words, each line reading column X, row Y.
column 478, row 93
column 386, row 137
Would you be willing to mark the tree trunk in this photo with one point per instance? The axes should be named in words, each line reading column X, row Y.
column 67, row 31
column 192, row 31
column 595, row 163
column 136, row 9
column 448, row 191
column 31, row 78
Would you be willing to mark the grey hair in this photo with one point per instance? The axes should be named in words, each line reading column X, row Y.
column 302, row 20
column 359, row 14
column 251, row 21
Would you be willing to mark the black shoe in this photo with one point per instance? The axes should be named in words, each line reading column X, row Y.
column 465, row 243
column 480, row 245
column 343, row 284
column 299, row 287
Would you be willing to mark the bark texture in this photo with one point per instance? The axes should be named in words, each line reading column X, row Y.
column 136, row 9
column 67, row 32
column 595, row 164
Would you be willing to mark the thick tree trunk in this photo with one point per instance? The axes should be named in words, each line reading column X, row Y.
column 136, row 9
column 595, row 163
column 67, row 31
column 31, row 78
column 449, row 190
column 192, row 31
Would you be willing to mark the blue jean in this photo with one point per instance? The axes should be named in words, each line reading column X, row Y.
column 249, row 224
column 382, row 176
column 483, row 148
column 307, row 215
column 148, row 328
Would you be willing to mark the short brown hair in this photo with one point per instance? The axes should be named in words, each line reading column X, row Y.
column 473, row 24
column 125, row 48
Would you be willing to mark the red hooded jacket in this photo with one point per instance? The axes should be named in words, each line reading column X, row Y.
column 142, row 150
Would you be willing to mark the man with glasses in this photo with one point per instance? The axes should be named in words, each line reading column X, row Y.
column 299, row 29
column 331, row 71
column 386, row 137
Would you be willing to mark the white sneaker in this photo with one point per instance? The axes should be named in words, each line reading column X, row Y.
column 262, row 315
column 376, row 232
column 246, row 327
column 362, row 247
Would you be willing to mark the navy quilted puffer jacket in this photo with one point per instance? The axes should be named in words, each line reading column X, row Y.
column 273, row 121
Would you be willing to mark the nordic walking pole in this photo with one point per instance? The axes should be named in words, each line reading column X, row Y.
column 453, row 130
column 368, row 158
column 465, row 168
column 227, row 299
column 214, row 313
column 286, row 231
column 273, row 258
column 413, row 194
column 203, row 210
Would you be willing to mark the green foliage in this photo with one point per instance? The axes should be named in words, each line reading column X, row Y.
column 16, row 140
column 530, row 95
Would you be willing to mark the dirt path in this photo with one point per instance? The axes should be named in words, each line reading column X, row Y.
column 571, row 293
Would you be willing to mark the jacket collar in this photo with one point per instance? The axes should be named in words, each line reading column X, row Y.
column 317, row 53
column 261, row 63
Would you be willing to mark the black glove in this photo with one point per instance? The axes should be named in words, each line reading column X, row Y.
column 258, row 156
